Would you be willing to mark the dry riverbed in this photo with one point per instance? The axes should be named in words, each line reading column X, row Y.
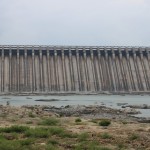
column 71, row 127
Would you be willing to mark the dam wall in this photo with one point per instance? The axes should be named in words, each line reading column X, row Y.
column 62, row 69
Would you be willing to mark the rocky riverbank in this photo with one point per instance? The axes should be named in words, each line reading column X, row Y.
column 71, row 128
column 91, row 112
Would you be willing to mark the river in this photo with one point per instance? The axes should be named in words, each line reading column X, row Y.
column 57, row 101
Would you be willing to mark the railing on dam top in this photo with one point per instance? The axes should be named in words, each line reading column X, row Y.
column 74, row 69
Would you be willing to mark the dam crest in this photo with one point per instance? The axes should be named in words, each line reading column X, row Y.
column 74, row 69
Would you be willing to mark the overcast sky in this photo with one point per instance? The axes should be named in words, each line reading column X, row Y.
column 75, row 22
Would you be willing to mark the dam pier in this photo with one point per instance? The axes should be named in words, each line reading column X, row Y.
column 74, row 69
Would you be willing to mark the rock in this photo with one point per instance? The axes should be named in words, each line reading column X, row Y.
column 121, row 104
column 67, row 106
column 144, row 106
column 131, row 111
column 143, row 120
column 47, row 100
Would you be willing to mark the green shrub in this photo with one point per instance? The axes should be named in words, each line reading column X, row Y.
column 56, row 131
column 124, row 122
column 28, row 141
column 87, row 145
column 78, row 120
column 53, row 142
column 29, row 122
column 83, row 136
column 31, row 115
column 49, row 122
column 2, row 137
column 134, row 137
column 9, row 145
column 37, row 133
column 94, row 120
column 15, row 128
column 121, row 146
column 104, row 122
column 11, row 136
column 105, row 136
column 104, row 148
column 51, row 147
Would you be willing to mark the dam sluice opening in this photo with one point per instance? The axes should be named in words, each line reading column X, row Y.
column 49, row 69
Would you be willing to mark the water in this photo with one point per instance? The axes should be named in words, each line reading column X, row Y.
column 106, row 100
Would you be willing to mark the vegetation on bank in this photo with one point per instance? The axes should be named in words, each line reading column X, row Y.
column 31, row 129
column 104, row 122
column 48, row 138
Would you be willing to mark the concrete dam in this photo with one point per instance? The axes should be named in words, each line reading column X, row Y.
column 74, row 69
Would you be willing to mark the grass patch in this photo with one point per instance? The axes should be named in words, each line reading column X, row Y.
column 9, row 145
column 53, row 142
column 29, row 122
column 121, row 146
column 10, row 136
column 46, row 132
column 56, row 130
column 83, row 136
column 134, row 137
column 86, row 145
column 49, row 122
column 104, row 122
column 31, row 115
column 51, row 147
column 67, row 134
column 104, row 148
column 15, row 128
column 37, row 133
column 28, row 141
column 124, row 122
column 18, row 145
column 94, row 120
column 4, row 115
column 78, row 120
column 106, row 136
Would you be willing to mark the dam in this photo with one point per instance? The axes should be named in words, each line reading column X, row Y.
column 74, row 69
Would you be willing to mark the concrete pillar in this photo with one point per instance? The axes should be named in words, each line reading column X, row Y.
column 147, row 65
column 86, row 71
column 2, row 71
column 130, row 72
column 123, row 84
column 93, row 71
column 48, row 69
column 107, row 79
column 133, row 70
column 25, row 71
column 143, row 71
column 75, row 71
column 41, row 70
column 112, row 70
column 71, row 71
column 63, row 68
column 78, row 68
column 81, row 67
column 33, row 72
column 100, row 70
column 18, row 71
column 10, row 70
column 57, row 88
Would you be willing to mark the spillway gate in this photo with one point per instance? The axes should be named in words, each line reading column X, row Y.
column 67, row 69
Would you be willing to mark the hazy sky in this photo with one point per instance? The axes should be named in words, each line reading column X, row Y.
column 75, row 22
